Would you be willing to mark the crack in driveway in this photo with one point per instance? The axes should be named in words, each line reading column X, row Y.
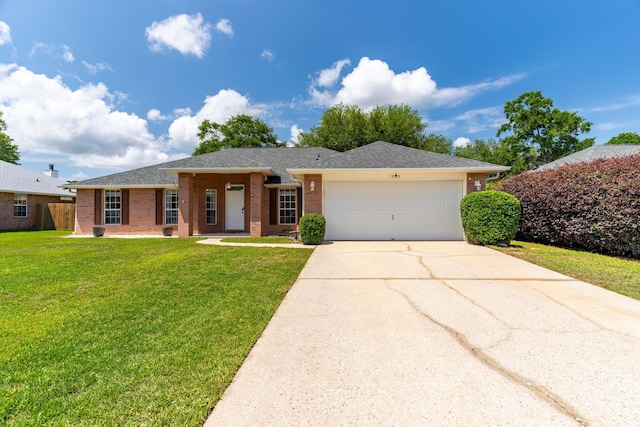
column 547, row 395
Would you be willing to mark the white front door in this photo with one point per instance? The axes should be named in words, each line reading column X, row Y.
column 234, row 208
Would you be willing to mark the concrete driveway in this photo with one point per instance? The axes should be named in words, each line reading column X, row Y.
column 439, row 333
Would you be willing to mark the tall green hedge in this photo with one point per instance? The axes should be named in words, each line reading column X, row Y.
column 590, row 205
column 490, row 217
column 312, row 229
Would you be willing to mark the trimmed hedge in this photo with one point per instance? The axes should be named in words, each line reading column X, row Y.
column 312, row 229
column 591, row 205
column 490, row 217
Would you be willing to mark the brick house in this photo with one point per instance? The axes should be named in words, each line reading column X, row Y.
column 22, row 190
column 380, row 191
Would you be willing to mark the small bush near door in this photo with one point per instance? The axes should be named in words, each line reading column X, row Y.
column 490, row 217
column 312, row 229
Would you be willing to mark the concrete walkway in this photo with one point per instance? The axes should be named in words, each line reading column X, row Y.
column 438, row 333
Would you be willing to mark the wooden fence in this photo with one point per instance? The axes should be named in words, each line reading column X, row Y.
column 55, row 216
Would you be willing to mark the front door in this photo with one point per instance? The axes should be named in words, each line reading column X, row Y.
column 234, row 208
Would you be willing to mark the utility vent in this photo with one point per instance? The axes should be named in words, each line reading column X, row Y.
column 51, row 171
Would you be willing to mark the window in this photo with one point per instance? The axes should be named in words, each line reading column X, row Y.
column 171, row 207
column 211, row 208
column 112, row 206
column 287, row 206
column 20, row 205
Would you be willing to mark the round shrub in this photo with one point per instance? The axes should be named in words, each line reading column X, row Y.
column 312, row 228
column 490, row 217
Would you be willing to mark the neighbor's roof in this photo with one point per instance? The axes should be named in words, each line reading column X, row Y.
column 147, row 177
column 16, row 179
column 593, row 153
column 384, row 155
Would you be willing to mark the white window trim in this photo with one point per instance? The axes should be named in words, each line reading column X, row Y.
column 119, row 210
column 17, row 199
column 167, row 193
column 294, row 208
column 215, row 207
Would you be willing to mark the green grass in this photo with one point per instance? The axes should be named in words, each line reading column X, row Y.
column 129, row 331
column 279, row 240
column 621, row 275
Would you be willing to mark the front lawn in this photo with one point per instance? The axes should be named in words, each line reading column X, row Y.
column 621, row 275
column 129, row 331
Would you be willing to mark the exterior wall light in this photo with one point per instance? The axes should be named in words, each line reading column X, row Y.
column 312, row 186
column 478, row 185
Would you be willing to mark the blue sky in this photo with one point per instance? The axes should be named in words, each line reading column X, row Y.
column 99, row 87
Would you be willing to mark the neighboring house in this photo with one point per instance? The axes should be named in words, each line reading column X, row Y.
column 593, row 153
column 21, row 190
column 380, row 191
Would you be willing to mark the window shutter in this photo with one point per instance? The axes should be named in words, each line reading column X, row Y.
column 273, row 206
column 159, row 215
column 124, row 206
column 299, row 203
column 97, row 206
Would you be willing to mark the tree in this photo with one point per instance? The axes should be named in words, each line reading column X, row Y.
column 491, row 151
column 630, row 138
column 8, row 151
column 344, row 127
column 238, row 131
column 542, row 133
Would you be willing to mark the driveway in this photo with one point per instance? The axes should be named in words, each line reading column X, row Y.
column 439, row 333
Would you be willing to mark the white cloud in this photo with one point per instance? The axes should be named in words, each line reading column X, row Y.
column 630, row 102
column 268, row 55
column 97, row 67
column 224, row 26
column 329, row 76
column 373, row 83
column 474, row 121
column 46, row 116
column 66, row 54
column 5, row 33
column 156, row 115
column 183, row 132
column 461, row 142
column 188, row 34
column 295, row 133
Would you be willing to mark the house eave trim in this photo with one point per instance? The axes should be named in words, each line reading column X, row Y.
column 265, row 171
column 481, row 169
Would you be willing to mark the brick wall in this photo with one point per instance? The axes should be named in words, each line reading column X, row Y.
column 9, row 222
column 471, row 181
column 313, row 199
column 142, row 213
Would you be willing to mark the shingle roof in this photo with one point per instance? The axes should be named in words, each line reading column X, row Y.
column 274, row 160
column 384, row 155
column 16, row 179
column 150, row 176
column 593, row 153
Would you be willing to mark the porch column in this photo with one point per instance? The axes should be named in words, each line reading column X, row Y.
column 256, row 182
column 185, row 205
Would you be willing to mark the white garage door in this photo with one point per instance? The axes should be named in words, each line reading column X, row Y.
column 393, row 210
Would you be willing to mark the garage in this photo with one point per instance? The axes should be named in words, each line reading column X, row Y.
column 389, row 210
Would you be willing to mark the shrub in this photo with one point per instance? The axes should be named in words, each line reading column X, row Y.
column 490, row 217
column 591, row 205
column 312, row 228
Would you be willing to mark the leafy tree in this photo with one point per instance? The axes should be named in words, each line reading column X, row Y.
column 8, row 151
column 631, row 138
column 239, row 131
column 491, row 151
column 541, row 133
column 344, row 127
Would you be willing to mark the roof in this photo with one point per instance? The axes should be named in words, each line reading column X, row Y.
column 147, row 177
column 384, row 155
column 279, row 163
column 271, row 161
column 593, row 153
column 16, row 179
